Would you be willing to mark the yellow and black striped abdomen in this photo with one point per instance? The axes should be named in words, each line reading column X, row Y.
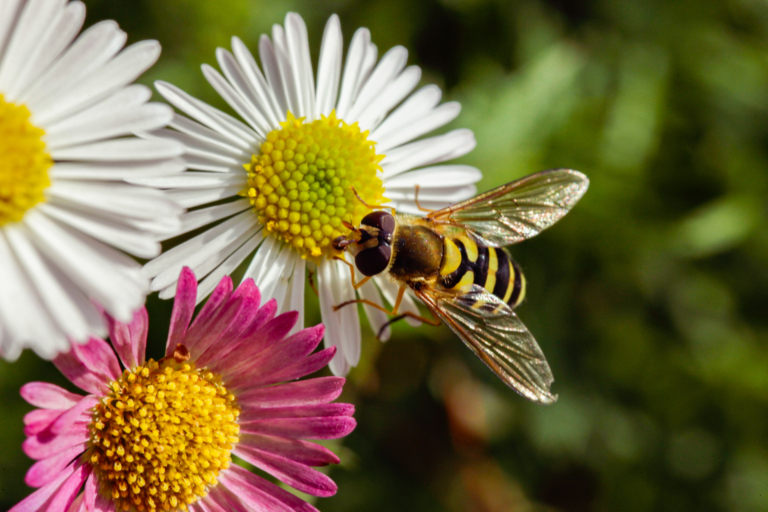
column 466, row 262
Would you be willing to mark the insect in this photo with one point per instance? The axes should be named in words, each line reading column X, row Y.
column 455, row 262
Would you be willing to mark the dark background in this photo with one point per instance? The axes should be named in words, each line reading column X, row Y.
column 649, row 299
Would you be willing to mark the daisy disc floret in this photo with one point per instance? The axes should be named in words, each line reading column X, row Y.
column 69, row 210
column 260, row 193
column 168, row 435
column 24, row 163
column 162, row 435
column 302, row 184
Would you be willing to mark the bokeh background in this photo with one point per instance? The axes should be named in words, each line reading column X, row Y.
column 650, row 299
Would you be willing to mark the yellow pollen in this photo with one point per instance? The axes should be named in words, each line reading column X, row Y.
column 184, row 429
column 300, row 185
column 24, row 163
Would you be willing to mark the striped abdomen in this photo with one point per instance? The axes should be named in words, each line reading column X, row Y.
column 466, row 262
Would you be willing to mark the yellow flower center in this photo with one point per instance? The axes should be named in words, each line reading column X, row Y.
column 301, row 184
column 161, row 436
column 24, row 163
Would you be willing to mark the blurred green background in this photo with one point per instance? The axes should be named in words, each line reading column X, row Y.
column 650, row 299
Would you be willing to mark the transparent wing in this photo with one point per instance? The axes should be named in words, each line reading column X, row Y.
column 518, row 210
column 496, row 335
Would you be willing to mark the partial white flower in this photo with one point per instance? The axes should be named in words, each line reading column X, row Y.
column 288, row 170
column 66, row 211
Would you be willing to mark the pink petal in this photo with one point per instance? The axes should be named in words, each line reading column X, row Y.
column 304, row 392
column 275, row 357
column 300, row 368
column 331, row 427
column 64, row 422
column 94, row 500
column 299, row 476
column 78, row 505
column 45, row 444
column 48, row 396
column 304, row 452
column 241, row 310
column 222, row 500
column 91, row 367
column 296, row 411
column 38, row 420
column 183, row 309
column 207, row 314
column 271, row 333
column 45, row 470
column 130, row 340
column 259, row 493
column 56, row 496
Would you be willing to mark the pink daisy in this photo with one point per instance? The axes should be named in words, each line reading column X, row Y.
column 159, row 435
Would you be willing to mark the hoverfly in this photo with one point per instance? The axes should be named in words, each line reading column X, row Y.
column 454, row 261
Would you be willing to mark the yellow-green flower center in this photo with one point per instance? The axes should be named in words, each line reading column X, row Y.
column 24, row 163
column 301, row 184
column 161, row 436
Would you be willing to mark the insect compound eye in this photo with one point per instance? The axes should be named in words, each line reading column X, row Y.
column 373, row 260
column 383, row 221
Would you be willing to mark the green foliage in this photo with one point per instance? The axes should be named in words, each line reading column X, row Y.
column 649, row 299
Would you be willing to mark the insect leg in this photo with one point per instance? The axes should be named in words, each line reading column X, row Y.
column 416, row 200
column 372, row 207
column 311, row 279
column 352, row 268
column 430, row 321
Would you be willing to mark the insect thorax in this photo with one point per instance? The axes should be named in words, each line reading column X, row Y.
column 417, row 252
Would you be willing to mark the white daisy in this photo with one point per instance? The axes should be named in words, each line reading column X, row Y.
column 303, row 147
column 66, row 213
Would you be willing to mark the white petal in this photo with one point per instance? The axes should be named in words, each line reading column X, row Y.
column 436, row 118
column 272, row 74
column 32, row 27
column 58, row 37
column 257, row 105
column 107, row 230
column 264, row 95
column 267, row 265
column 297, row 292
column 352, row 70
column 235, row 100
column 395, row 92
column 204, row 136
column 177, row 255
column 390, row 65
column 109, row 277
column 115, row 198
column 115, row 171
column 90, row 51
column 22, row 312
column 108, row 122
column 279, row 287
column 389, row 290
column 217, row 250
column 58, row 302
column 416, row 106
column 287, row 79
column 192, row 179
column 301, row 64
column 237, row 133
column 199, row 218
column 331, row 319
column 444, row 195
column 376, row 318
column 201, row 149
column 350, row 318
column 207, row 285
column 120, row 149
column 122, row 70
column 9, row 12
column 428, row 151
column 329, row 68
column 439, row 176
column 190, row 198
